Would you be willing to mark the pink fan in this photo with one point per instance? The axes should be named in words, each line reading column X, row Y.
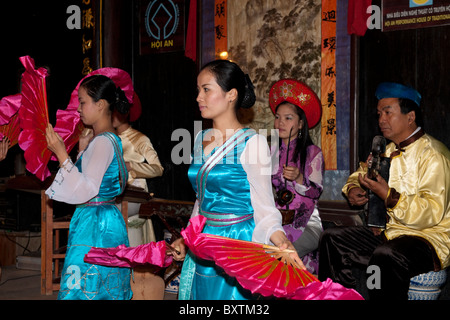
column 68, row 123
column 9, row 106
column 153, row 253
column 260, row 268
column 9, row 118
column 33, row 115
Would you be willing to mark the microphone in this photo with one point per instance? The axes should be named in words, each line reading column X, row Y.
column 378, row 148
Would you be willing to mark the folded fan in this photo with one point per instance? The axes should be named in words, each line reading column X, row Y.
column 153, row 253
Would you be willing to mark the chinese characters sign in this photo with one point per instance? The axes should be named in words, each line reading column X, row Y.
column 328, row 95
column 220, row 26
column 88, row 34
column 162, row 26
column 413, row 14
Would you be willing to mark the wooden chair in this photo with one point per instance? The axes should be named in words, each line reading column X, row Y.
column 52, row 253
column 32, row 184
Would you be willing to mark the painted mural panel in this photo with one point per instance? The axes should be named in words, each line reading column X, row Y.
column 272, row 40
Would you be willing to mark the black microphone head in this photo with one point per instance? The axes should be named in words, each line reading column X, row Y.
column 378, row 145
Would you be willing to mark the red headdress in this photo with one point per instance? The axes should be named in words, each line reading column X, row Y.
column 299, row 94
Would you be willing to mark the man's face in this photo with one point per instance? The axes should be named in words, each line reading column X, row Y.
column 394, row 125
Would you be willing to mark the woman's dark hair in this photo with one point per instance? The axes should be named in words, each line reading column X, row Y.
column 101, row 87
column 230, row 76
column 406, row 106
column 304, row 140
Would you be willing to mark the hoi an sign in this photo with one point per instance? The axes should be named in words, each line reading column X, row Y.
column 162, row 26
column 413, row 14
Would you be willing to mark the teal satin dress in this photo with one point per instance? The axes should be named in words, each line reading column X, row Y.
column 223, row 192
column 97, row 223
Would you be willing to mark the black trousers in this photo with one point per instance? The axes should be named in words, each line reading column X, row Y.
column 346, row 249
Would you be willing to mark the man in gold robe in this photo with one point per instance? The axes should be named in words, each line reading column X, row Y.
column 416, row 238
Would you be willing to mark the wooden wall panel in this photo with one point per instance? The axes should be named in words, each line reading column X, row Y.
column 414, row 57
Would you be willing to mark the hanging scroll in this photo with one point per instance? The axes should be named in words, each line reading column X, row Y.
column 220, row 26
column 88, row 35
column 328, row 94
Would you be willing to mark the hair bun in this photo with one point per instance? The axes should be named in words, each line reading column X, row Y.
column 122, row 104
column 250, row 96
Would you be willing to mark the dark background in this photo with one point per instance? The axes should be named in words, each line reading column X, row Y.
column 418, row 58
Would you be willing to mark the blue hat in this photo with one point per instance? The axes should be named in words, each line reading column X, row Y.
column 396, row 90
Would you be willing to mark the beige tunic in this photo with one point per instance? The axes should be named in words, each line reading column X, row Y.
column 142, row 157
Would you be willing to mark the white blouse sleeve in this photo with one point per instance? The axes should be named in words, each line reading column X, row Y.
column 256, row 161
column 74, row 187
column 195, row 210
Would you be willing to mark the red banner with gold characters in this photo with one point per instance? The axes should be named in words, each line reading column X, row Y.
column 328, row 93
column 220, row 26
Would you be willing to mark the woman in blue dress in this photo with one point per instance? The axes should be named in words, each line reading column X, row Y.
column 92, row 183
column 231, row 175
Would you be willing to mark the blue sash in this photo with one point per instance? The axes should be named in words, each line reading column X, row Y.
column 119, row 155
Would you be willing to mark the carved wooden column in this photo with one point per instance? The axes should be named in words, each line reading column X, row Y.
column 116, row 34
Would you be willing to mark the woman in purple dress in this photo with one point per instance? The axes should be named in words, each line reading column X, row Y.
column 298, row 178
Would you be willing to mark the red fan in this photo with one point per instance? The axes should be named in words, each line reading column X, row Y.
column 34, row 119
column 260, row 268
column 153, row 253
column 68, row 123
column 9, row 118
column 11, row 131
